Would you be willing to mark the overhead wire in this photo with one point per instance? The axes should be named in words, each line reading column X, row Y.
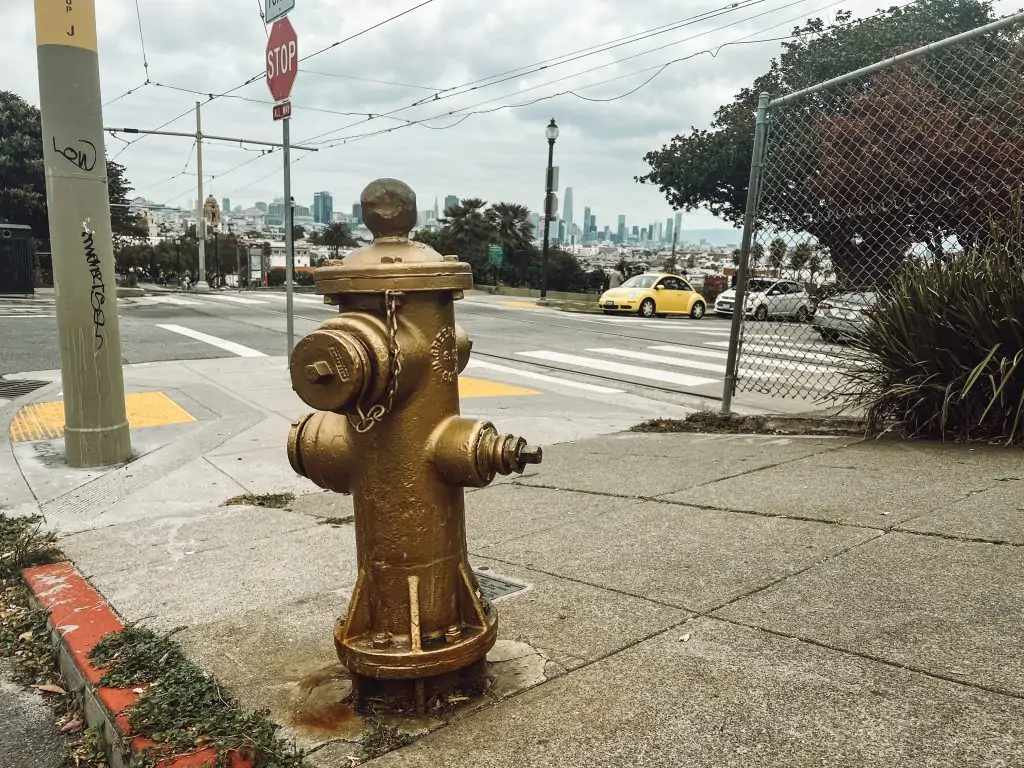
column 321, row 138
column 263, row 74
column 145, row 63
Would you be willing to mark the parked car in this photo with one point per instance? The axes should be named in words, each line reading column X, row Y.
column 654, row 295
column 844, row 315
column 769, row 297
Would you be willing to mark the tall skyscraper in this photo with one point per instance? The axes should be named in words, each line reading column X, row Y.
column 678, row 232
column 561, row 231
column 622, row 228
column 450, row 201
column 535, row 221
column 660, row 236
column 585, row 231
column 636, row 232
column 437, row 212
column 593, row 224
column 225, row 206
column 357, row 213
column 669, row 230
column 567, row 214
column 323, row 207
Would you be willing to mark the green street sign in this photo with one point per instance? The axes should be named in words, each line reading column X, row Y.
column 495, row 253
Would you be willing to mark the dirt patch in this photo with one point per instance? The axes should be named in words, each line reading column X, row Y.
column 268, row 500
column 711, row 422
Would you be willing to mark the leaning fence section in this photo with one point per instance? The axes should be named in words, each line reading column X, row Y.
column 912, row 160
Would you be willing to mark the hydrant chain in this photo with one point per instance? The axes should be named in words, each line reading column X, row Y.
column 364, row 422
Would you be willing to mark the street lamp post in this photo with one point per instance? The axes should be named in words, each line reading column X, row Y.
column 552, row 134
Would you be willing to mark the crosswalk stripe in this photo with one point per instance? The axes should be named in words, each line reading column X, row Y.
column 178, row 302
column 696, row 351
column 796, row 352
column 756, row 360
column 229, row 346
column 610, row 366
column 483, row 365
column 27, row 315
column 235, row 299
column 646, row 357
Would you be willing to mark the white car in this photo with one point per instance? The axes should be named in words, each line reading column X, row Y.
column 768, row 297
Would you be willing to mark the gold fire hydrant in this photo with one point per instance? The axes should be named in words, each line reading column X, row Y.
column 383, row 376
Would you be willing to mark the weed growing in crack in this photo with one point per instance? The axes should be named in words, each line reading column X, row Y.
column 268, row 500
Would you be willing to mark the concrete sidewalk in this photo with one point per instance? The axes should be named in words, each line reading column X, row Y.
column 695, row 600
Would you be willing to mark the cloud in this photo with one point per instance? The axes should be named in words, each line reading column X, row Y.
column 211, row 47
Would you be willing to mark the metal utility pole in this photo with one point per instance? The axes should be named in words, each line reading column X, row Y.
column 289, row 244
column 96, row 426
column 201, row 284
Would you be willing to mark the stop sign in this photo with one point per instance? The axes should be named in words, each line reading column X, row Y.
column 282, row 59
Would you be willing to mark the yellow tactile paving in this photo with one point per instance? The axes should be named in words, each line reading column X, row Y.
column 469, row 387
column 44, row 421
column 522, row 304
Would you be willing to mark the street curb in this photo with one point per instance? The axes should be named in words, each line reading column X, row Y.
column 78, row 617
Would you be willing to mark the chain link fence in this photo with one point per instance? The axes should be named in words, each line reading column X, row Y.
column 911, row 159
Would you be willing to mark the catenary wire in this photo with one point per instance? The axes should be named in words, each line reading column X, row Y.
column 263, row 74
column 322, row 137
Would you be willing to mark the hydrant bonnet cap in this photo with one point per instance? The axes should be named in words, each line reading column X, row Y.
column 389, row 208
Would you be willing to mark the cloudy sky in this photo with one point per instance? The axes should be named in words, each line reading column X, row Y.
column 435, row 51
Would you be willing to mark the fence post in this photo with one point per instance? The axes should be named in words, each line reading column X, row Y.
column 753, row 187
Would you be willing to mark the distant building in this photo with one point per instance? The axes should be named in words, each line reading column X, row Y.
column 261, row 207
column 677, row 231
column 561, row 232
column 586, row 224
column 275, row 215
column 323, row 207
column 567, row 212
column 225, row 206
column 593, row 225
column 636, row 232
column 535, row 221
column 660, row 236
column 450, row 201
column 357, row 213
column 669, row 230
column 622, row 228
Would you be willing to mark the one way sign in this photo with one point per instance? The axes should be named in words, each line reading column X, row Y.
column 278, row 8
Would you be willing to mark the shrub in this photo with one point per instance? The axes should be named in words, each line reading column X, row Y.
column 275, row 276
column 945, row 346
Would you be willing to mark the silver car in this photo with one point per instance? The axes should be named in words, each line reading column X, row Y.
column 844, row 315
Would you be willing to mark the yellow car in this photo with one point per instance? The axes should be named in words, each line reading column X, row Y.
column 654, row 295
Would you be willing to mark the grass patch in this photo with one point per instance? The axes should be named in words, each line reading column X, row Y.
column 24, row 635
column 183, row 707
column 712, row 422
column 269, row 500
column 382, row 739
column 337, row 522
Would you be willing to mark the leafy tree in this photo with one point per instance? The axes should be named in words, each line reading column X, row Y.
column 565, row 272
column 467, row 231
column 709, row 168
column 336, row 236
column 777, row 255
column 23, row 179
column 799, row 259
column 298, row 232
column 431, row 237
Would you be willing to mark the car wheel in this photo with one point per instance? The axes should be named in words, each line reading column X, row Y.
column 647, row 308
column 802, row 314
column 761, row 313
column 697, row 310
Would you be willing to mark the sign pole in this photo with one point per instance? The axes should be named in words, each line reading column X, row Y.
column 289, row 244
column 201, row 284
column 96, row 430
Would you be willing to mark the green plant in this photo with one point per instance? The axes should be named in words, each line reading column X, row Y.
column 183, row 707
column 944, row 348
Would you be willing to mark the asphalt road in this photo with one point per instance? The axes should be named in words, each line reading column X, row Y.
column 672, row 359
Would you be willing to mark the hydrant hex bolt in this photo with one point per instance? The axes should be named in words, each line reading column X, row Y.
column 383, row 377
column 318, row 371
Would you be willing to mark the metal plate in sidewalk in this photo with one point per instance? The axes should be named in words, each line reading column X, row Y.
column 12, row 389
column 495, row 587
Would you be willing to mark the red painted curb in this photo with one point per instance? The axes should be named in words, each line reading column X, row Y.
column 81, row 617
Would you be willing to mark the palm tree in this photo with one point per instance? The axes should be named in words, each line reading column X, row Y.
column 511, row 223
column 336, row 236
column 466, row 223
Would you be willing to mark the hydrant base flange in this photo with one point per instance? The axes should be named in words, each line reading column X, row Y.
column 422, row 695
